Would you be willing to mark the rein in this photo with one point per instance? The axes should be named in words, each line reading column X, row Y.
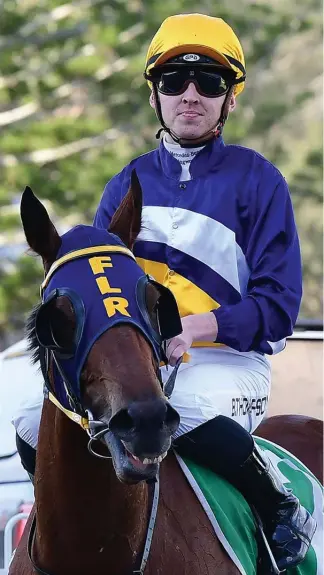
column 95, row 429
column 147, row 545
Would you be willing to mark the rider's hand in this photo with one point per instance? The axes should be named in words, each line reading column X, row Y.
column 198, row 327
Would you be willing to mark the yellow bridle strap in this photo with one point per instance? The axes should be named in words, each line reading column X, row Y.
column 82, row 253
column 82, row 421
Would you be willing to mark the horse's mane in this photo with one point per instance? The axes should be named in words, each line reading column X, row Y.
column 32, row 340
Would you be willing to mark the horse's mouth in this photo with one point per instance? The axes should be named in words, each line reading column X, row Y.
column 128, row 467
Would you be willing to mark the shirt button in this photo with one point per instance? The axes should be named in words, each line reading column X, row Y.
column 183, row 186
column 174, row 226
column 171, row 272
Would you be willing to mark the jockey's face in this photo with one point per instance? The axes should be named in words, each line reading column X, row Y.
column 191, row 115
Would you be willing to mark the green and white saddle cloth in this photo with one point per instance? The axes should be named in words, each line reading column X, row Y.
column 233, row 521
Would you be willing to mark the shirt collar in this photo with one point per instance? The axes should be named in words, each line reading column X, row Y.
column 205, row 160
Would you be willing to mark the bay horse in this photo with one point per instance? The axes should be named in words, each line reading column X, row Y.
column 92, row 514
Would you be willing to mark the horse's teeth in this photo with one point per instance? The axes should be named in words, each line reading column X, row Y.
column 159, row 459
column 153, row 460
column 148, row 461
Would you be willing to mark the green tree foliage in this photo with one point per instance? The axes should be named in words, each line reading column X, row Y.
column 74, row 110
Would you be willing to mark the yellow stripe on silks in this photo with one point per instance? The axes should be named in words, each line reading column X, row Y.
column 82, row 421
column 215, row 244
column 190, row 298
column 156, row 269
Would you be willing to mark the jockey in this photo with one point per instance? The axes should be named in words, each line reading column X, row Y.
column 218, row 229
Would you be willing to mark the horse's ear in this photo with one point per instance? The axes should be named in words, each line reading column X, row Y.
column 126, row 221
column 40, row 232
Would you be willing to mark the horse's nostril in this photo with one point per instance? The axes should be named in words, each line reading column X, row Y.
column 147, row 417
column 121, row 422
column 150, row 414
column 172, row 419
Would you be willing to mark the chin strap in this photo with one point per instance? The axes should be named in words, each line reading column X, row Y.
column 193, row 142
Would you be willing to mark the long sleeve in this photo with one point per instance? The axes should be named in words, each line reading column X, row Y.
column 267, row 313
column 113, row 193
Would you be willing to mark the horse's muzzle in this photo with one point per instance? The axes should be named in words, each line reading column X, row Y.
column 146, row 427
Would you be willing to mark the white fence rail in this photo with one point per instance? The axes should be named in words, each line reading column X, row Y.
column 8, row 534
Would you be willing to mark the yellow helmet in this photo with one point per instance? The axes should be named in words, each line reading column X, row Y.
column 201, row 34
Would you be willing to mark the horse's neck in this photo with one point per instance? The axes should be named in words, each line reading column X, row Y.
column 88, row 522
column 86, row 517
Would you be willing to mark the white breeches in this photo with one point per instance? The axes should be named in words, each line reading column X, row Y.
column 26, row 419
column 214, row 382
column 221, row 382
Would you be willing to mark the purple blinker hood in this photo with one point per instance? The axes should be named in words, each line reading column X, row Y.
column 105, row 289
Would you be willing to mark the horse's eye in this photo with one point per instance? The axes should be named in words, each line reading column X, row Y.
column 152, row 297
column 62, row 327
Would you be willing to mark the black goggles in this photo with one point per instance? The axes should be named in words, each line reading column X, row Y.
column 208, row 83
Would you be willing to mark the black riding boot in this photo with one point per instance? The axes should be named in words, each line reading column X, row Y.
column 226, row 448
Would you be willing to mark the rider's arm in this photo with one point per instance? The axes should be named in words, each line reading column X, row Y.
column 111, row 198
column 268, row 311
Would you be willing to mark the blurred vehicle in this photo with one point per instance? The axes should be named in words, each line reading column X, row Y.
column 18, row 380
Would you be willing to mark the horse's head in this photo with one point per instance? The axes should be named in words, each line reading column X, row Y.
column 99, row 332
